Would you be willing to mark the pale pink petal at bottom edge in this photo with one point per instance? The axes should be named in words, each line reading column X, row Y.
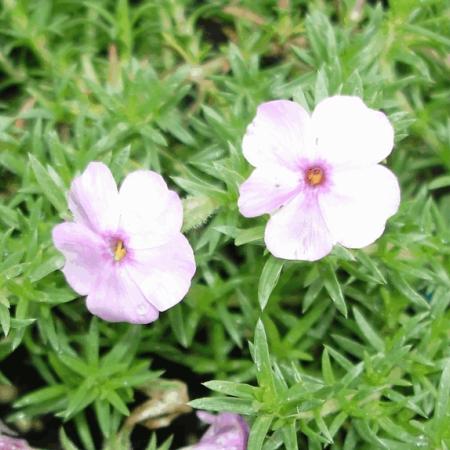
column 117, row 298
column 266, row 190
column 12, row 443
column 164, row 273
column 361, row 201
column 298, row 231
column 83, row 251
column 228, row 431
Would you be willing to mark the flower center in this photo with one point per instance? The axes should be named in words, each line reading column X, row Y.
column 119, row 250
column 314, row 176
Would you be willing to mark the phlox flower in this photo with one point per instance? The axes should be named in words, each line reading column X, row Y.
column 9, row 442
column 12, row 443
column 227, row 431
column 318, row 176
column 124, row 249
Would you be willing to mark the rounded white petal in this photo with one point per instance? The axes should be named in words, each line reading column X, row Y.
column 93, row 198
column 83, row 251
column 117, row 298
column 266, row 190
column 164, row 273
column 347, row 132
column 278, row 135
column 359, row 203
column 298, row 231
column 150, row 212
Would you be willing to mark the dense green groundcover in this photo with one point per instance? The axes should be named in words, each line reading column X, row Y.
column 348, row 353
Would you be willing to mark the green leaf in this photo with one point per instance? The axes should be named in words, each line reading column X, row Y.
column 321, row 86
column 442, row 409
column 440, row 182
column 8, row 216
column 219, row 403
column 75, row 364
column 66, row 443
column 327, row 370
column 92, row 343
column 102, row 411
column 45, row 268
column 117, row 402
column 197, row 210
column 262, row 358
column 268, row 280
column 333, row 288
column 290, row 436
column 80, row 398
column 84, row 432
column 55, row 195
column 232, row 388
column 5, row 319
column 41, row 395
column 230, row 324
column 404, row 288
column 177, row 323
column 372, row 267
column 258, row 432
column 248, row 235
column 368, row 332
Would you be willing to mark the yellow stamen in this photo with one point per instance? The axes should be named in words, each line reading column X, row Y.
column 119, row 251
column 314, row 176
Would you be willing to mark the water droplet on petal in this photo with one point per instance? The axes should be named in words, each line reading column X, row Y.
column 142, row 309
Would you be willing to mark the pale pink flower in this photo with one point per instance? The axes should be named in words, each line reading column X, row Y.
column 227, row 431
column 12, row 443
column 318, row 177
column 124, row 249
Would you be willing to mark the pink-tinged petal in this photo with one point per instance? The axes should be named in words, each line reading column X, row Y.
column 347, row 132
column 298, row 231
column 94, row 200
column 117, row 298
column 84, row 254
column 12, row 443
column 266, row 190
column 359, row 204
column 278, row 135
column 227, row 431
column 151, row 213
column 164, row 273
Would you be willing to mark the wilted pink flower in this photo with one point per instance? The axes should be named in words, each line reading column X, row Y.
column 124, row 249
column 227, row 431
column 318, row 177
column 11, row 443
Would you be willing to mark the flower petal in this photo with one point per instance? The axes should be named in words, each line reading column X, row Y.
column 83, row 251
column 116, row 297
column 359, row 204
column 227, row 431
column 278, row 135
column 298, row 231
column 347, row 132
column 151, row 213
column 164, row 273
column 266, row 190
column 12, row 443
column 93, row 198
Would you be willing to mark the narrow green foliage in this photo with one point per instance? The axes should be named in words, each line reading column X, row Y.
column 347, row 353
column 268, row 280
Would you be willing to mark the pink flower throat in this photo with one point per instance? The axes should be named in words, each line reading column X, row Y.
column 119, row 250
column 315, row 176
